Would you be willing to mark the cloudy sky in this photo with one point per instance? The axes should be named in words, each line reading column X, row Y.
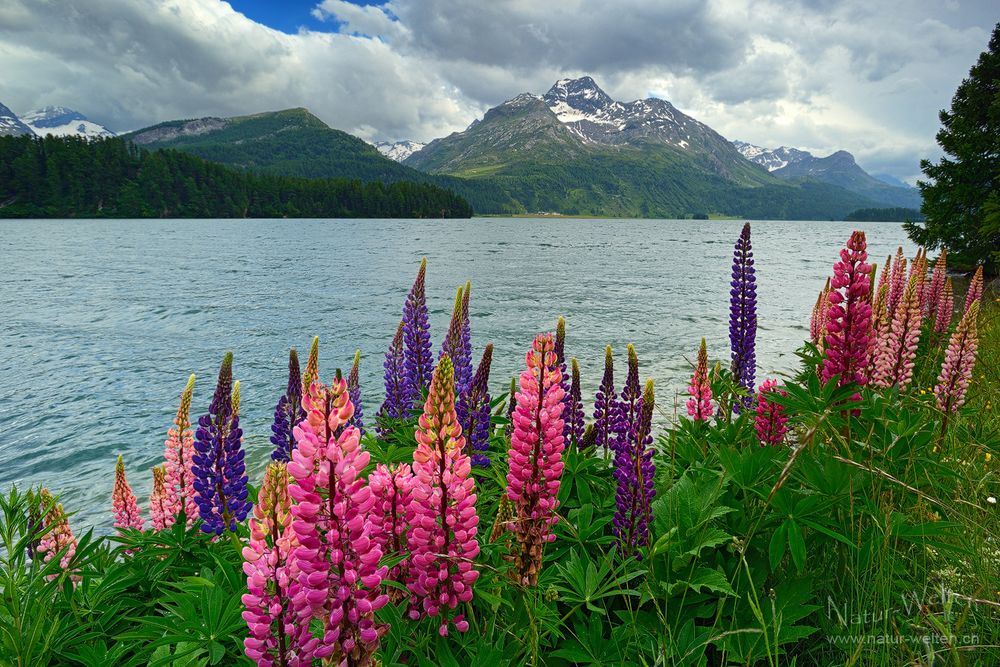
column 822, row 75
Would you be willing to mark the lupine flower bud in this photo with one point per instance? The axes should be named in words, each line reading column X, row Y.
column 849, row 340
column 418, row 362
column 894, row 361
column 391, row 489
column 535, row 458
column 817, row 323
column 944, row 308
column 126, row 509
column 897, row 282
column 454, row 346
column 354, row 390
column 288, row 412
column 628, row 403
column 743, row 317
column 606, row 405
column 178, row 460
column 311, row 373
column 975, row 291
column 397, row 402
column 160, row 510
column 635, row 473
column 771, row 422
column 474, row 411
column 935, row 286
column 699, row 406
column 959, row 361
column 443, row 524
column 60, row 536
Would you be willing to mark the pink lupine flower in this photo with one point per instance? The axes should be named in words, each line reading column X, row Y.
column 944, row 308
column 442, row 520
column 959, row 360
column 123, row 502
column 894, row 361
column 391, row 487
column 935, row 286
column 975, row 291
column 535, row 457
column 897, row 282
column 817, row 323
column 338, row 576
column 771, row 421
column 59, row 537
column 848, row 343
column 699, row 406
column 918, row 270
column 883, row 276
column 274, row 633
column 178, row 453
column 160, row 507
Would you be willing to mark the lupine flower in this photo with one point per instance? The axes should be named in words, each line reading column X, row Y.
column 397, row 402
column 935, row 286
column 288, row 412
column 311, row 373
column 883, row 277
column 564, row 382
column 505, row 514
column 535, row 458
column 443, row 526
column 123, row 502
column 897, row 282
column 573, row 408
column 236, row 398
column 453, row 346
column 271, row 622
column 220, row 479
column 160, row 509
column 771, row 422
column 391, row 486
column 894, row 361
column 338, row 575
column 628, row 403
column 634, row 472
column 474, row 411
column 848, row 343
column 699, row 406
column 606, row 405
column 959, row 361
column 918, row 269
column 354, row 390
column 975, row 291
column 817, row 323
column 179, row 458
column 417, row 362
column 743, row 317
column 511, row 406
column 465, row 373
column 60, row 537
column 944, row 308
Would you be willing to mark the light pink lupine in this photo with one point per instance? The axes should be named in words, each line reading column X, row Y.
column 123, row 503
column 817, row 323
column 935, row 286
column 699, row 406
column 975, row 291
column 274, row 633
column 918, row 269
column 959, row 361
column 391, row 487
column 944, row 308
column 442, row 521
column 178, row 453
column 59, row 537
column 771, row 421
column 535, row 457
column 160, row 508
column 897, row 282
column 894, row 364
column 849, row 339
column 338, row 575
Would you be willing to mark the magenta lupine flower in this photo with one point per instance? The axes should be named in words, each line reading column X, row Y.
column 160, row 507
column 848, row 344
column 944, row 308
column 935, row 286
column 397, row 402
column 606, row 405
column 894, row 358
column 418, row 361
column 338, row 575
column 443, row 520
column 354, row 391
column 959, row 361
column 123, row 503
column 535, row 458
column 897, row 282
column 178, row 460
column 699, row 406
column 391, row 488
column 628, row 402
column 635, row 473
column 771, row 421
column 975, row 291
column 60, row 537
column 274, row 633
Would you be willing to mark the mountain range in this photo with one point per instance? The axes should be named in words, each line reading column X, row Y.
column 57, row 121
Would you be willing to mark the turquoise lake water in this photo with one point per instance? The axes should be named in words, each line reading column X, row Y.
column 104, row 320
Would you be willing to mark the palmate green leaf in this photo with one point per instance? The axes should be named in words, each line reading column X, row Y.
column 703, row 579
column 585, row 583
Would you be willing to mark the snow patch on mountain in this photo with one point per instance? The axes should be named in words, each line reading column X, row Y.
column 63, row 122
column 398, row 150
column 10, row 124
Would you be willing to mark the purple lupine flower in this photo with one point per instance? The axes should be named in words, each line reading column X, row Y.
column 573, row 410
column 628, row 403
column 465, row 373
column 220, row 479
column 606, row 405
column 397, row 402
column 743, row 318
column 288, row 412
column 635, row 472
column 565, row 380
column 457, row 346
column 474, row 411
column 354, row 391
column 417, row 360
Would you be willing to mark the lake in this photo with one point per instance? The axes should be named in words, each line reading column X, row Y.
column 103, row 320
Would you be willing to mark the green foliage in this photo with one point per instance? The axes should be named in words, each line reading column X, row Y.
column 885, row 215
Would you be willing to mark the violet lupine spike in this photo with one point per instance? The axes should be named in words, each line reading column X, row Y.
column 895, row 354
column 897, row 282
column 339, row 579
column 397, row 402
column 573, row 410
column 560, row 350
column 771, row 422
column 220, row 479
column 535, row 458
column 606, row 405
column 699, row 406
column 178, row 458
column 743, row 317
column 849, row 341
column 975, row 291
column 635, row 473
column 935, row 286
column 418, row 361
column 288, row 412
column 273, row 631
column 123, row 502
column 59, row 540
column 944, row 308
column 453, row 346
column 474, row 411
column 391, row 487
column 628, row 402
column 160, row 510
column 354, row 390
column 464, row 373
column 959, row 362
column 443, row 527
column 311, row 373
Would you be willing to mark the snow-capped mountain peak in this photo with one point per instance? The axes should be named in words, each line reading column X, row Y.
column 398, row 150
column 10, row 124
column 771, row 159
column 61, row 122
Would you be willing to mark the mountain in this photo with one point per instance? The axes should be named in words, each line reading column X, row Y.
column 61, row 122
column 398, row 150
column 892, row 180
column 838, row 168
column 576, row 150
column 10, row 124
